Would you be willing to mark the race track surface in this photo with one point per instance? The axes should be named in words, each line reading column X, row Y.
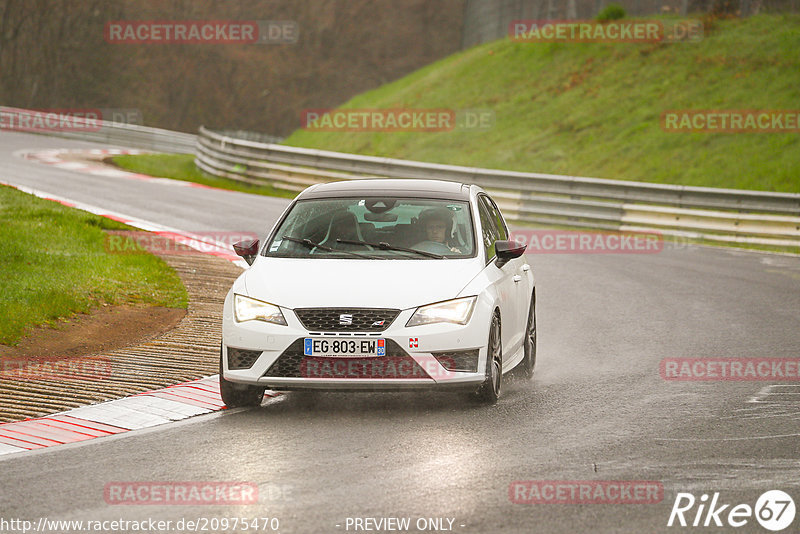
column 597, row 409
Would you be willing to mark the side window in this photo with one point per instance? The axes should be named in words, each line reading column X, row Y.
column 502, row 231
column 489, row 229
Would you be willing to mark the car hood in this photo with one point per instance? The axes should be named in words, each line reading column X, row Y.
column 300, row 283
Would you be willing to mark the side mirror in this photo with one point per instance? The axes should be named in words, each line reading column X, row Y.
column 507, row 250
column 247, row 249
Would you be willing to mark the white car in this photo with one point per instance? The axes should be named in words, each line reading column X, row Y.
column 380, row 285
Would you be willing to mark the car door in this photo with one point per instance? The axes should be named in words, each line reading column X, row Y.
column 507, row 280
column 523, row 276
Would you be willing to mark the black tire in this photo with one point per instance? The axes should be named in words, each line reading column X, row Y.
column 528, row 363
column 238, row 395
column 489, row 390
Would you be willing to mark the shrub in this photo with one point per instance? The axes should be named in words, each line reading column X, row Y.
column 611, row 12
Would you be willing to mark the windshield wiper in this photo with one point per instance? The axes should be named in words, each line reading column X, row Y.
column 386, row 246
column 311, row 245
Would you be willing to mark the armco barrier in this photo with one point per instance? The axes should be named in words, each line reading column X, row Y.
column 724, row 215
column 115, row 133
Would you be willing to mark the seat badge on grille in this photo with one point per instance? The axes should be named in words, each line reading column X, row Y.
column 346, row 319
column 378, row 323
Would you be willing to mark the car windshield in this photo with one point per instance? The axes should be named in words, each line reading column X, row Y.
column 375, row 228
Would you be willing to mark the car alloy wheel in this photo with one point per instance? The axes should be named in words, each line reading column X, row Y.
column 489, row 391
column 529, row 360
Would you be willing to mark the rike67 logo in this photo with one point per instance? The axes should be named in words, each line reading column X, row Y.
column 774, row 510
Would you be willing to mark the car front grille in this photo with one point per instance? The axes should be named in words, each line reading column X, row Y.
column 346, row 319
column 396, row 364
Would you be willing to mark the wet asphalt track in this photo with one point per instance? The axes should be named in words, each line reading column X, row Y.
column 596, row 410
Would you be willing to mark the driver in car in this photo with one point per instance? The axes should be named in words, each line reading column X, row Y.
column 437, row 223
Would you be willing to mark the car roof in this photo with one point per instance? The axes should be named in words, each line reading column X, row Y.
column 395, row 187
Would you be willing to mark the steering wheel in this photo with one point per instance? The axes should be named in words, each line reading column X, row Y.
column 433, row 246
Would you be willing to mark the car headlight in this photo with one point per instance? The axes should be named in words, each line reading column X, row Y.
column 247, row 309
column 457, row 311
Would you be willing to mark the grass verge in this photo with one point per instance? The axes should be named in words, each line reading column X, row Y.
column 182, row 167
column 54, row 264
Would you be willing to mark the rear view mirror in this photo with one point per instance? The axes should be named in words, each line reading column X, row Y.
column 247, row 249
column 380, row 217
column 507, row 250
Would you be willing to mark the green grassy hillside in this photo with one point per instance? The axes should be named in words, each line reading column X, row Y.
column 594, row 109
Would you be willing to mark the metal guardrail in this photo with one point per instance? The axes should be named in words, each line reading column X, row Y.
column 727, row 215
column 251, row 136
column 106, row 132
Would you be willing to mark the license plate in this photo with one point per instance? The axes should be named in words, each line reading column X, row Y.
column 344, row 348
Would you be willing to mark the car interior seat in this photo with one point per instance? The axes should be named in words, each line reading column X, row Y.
column 343, row 225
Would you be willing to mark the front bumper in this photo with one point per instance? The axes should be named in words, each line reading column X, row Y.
column 410, row 363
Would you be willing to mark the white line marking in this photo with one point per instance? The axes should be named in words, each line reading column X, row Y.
column 729, row 439
column 70, row 165
column 8, row 449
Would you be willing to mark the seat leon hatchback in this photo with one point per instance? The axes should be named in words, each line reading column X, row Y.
column 380, row 284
